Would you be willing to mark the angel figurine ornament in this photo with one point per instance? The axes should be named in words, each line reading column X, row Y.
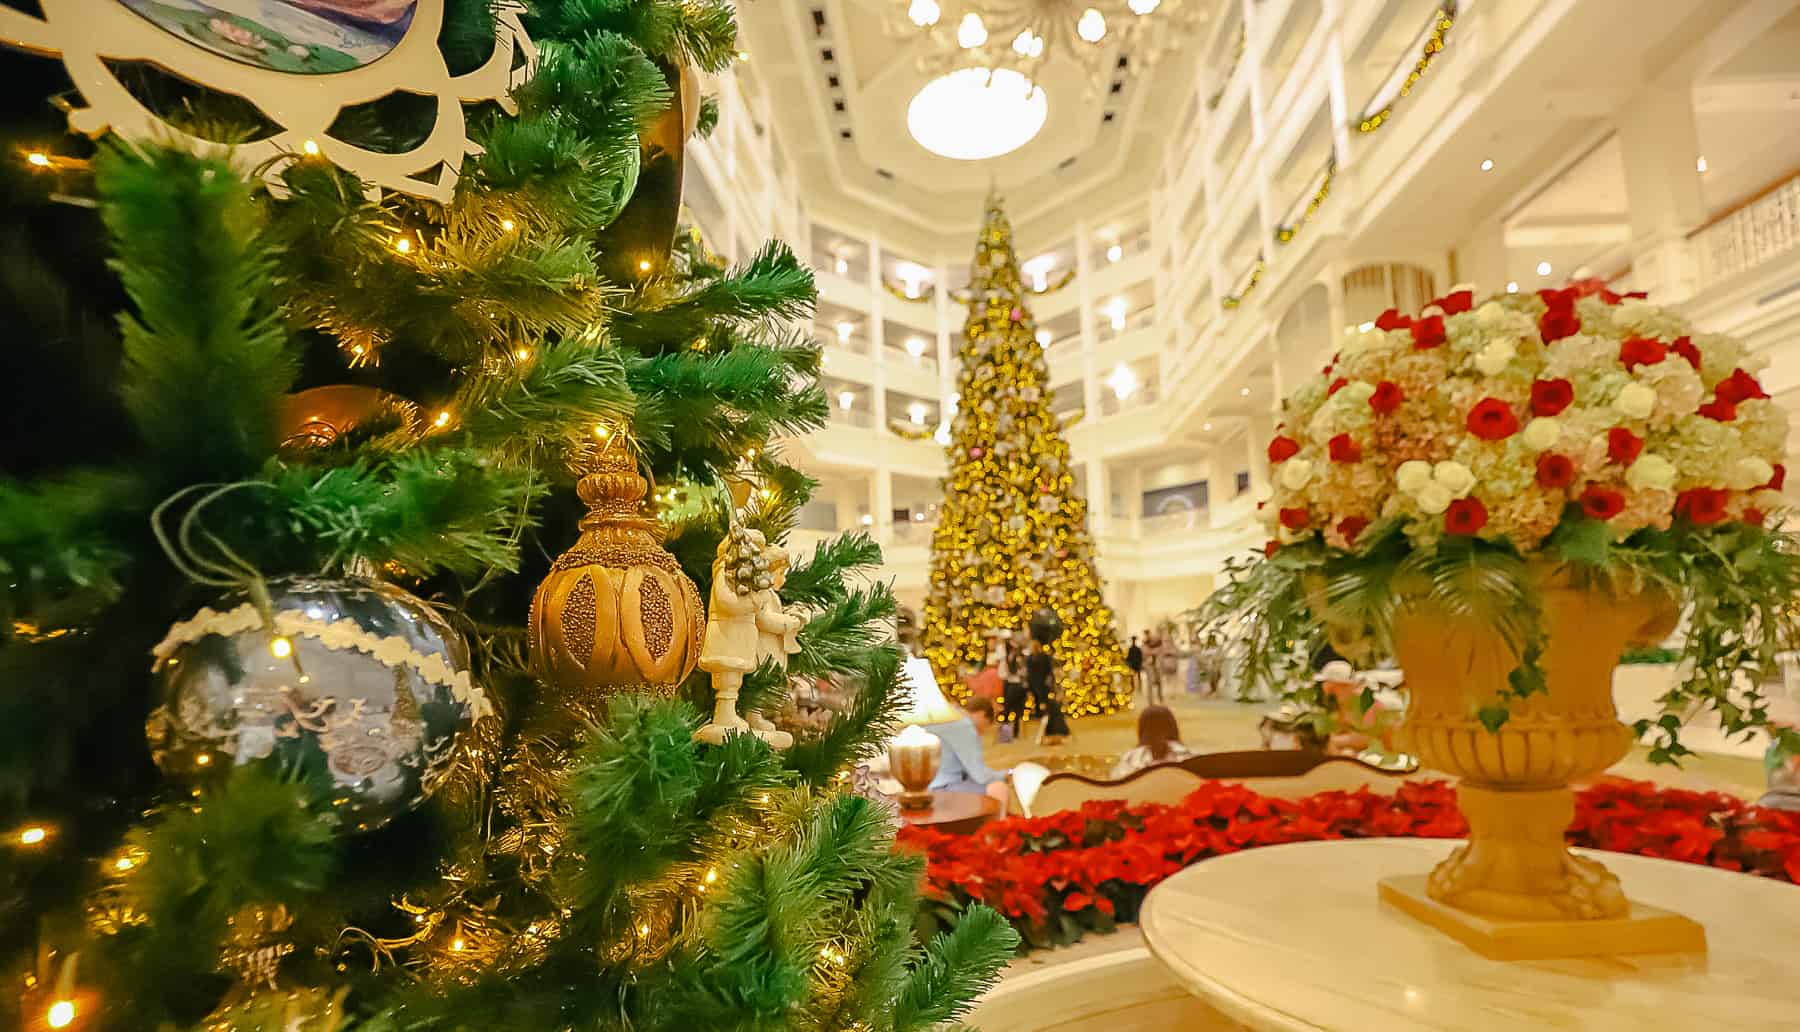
column 777, row 635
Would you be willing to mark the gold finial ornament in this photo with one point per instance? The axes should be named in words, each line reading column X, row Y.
column 616, row 612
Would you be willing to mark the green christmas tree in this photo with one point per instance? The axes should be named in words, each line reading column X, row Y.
column 453, row 842
column 1012, row 534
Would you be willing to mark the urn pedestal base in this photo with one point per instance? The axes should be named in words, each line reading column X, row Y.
column 1643, row 929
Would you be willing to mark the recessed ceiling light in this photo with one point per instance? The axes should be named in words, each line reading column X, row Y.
column 1512, row 286
column 1543, row 269
column 1206, row 426
column 1114, row 253
column 971, row 115
column 1487, row 164
column 1700, row 163
column 971, row 33
column 1245, row 392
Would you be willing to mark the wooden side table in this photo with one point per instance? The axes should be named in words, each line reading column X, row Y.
column 1294, row 939
column 956, row 813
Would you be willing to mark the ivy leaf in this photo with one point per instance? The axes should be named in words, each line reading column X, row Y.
column 1583, row 541
column 1494, row 717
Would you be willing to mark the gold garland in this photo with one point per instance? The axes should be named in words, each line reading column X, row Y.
column 899, row 292
column 1285, row 234
column 1442, row 21
column 336, row 635
column 1231, row 301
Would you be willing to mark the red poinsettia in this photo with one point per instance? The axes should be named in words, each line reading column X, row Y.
column 1555, row 471
column 1465, row 516
column 1456, row 302
column 1602, row 503
column 1623, row 446
column 1686, row 349
column 1550, row 397
column 1558, row 323
column 1392, row 320
column 1387, row 397
column 1641, row 351
column 1343, row 448
column 1283, row 448
column 1702, row 506
column 1492, row 420
column 1738, row 388
column 1294, row 519
column 1428, row 333
column 1351, row 527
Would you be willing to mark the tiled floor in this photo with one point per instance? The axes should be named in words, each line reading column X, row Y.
column 1215, row 726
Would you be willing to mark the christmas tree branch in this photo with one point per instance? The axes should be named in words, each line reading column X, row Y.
column 59, row 558
column 957, row 967
column 544, row 408
column 206, row 360
column 820, row 579
column 773, row 286
column 855, row 734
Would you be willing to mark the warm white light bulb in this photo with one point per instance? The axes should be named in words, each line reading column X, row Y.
column 846, row 399
column 1487, row 164
column 1512, row 286
column 924, row 12
column 1023, row 42
column 845, row 329
column 1244, row 392
column 915, row 346
column 1114, row 253
column 1143, row 7
column 60, row 1015
column 1543, row 268
column 1091, row 26
column 1044, row 337
column 971, row 33
column 916, row 412
column 1700, row 163
column 1206, row 426
column 841, row 266
column 1123, row 381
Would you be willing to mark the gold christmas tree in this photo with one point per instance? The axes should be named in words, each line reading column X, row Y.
column 1012, row 532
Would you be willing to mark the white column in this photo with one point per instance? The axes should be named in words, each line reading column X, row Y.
column 877, row 344
column 882, row 504
column 1661, row 144
column 849, row 503
column 1099, row 494
column 1091, row 374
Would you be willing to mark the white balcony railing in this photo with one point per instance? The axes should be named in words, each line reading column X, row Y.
column 914, row 532
column 1765, row 228
column 852, row 417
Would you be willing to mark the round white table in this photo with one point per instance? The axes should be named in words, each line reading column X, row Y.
column 1294, row 938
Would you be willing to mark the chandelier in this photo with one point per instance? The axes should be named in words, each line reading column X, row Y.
column 1022, row 34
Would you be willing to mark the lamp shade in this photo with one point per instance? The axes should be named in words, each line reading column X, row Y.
column 927, row 705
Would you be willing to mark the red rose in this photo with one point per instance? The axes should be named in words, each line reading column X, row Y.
column 1702, row 506
column 1456, row 302
column 1492, row 420
column 1686, row 349
column 1623, row 446
column 1602, row 503
column 1392, row 320
column 1351, row 527
column 1775, row 482
column 1559, row 300
column 1719, row 410
column 1549, row 397
column 1387, row 397
column 1271, row 548
column 1428, row 333
column 1465, row 516
column 1558, row 323
column 1638, row 351
column 1343, row 448
column 1738, row 388
column 1755, row 516
column 1283, row 448
column 1336, row 385
column 1293, row 519
column 1555, row 470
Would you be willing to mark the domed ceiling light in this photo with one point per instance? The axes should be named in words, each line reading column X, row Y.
column 972, row 113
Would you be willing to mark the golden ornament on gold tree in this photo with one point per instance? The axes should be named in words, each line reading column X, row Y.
column 616, row 612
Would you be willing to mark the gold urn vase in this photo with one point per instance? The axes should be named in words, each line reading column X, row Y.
column 1515, row 891
column 616, row 612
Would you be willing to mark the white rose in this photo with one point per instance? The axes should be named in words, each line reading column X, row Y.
column 1751, row 473
column 1434, row 498
column 1296, row 473
column 1652, row 472
column 1455, row 477
column 1412, row 475
column 1542, row 434
column 1635, row 401
column 1494, row 358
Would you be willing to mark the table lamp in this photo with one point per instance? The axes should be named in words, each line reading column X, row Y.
column 913, row 754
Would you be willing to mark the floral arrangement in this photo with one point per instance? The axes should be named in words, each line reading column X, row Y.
column 1593, row 430
column 1059, row 876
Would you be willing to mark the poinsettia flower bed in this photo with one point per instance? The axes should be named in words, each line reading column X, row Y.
column 1059, row 876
